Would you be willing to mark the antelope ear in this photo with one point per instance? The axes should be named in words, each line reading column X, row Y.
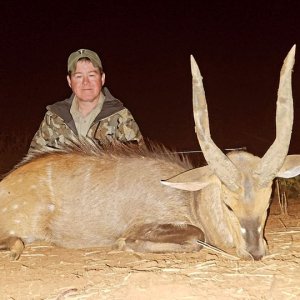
column 291, row 167
column 192, row 180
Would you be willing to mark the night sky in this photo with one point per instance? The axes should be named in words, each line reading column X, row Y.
column 145, row 48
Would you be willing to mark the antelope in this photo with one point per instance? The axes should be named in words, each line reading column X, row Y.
column 135, row 199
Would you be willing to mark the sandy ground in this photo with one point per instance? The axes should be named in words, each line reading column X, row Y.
column 48, row 272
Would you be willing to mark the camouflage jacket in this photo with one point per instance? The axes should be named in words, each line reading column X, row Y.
column 114, row 122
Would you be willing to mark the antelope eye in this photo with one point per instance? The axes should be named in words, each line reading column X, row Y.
column 228, row 207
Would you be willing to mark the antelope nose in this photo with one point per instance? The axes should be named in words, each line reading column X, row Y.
column 257, row 256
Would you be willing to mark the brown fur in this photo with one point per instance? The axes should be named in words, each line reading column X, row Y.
column 111, row 190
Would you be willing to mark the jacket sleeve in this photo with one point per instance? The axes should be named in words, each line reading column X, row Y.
column 51, row 133
column 127, row 129
column 39, row 140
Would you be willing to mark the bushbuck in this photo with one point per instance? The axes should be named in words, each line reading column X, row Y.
column 114, row 196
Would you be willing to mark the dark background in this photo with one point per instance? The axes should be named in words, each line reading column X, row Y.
column 145, row 48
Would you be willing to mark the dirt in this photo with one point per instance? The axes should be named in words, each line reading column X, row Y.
column 47, row 272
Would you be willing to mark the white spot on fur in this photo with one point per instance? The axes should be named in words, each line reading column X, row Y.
column 51, row 207
column 11, row 232
column 17, row 221
column 243, row 230
column 259, row 229
column 28, row 239
column 15, row 206
column 4, row 209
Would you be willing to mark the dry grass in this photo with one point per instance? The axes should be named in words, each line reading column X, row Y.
column 287, row 188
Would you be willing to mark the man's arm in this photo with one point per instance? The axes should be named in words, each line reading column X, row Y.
column 127, row 129
column 52, row 133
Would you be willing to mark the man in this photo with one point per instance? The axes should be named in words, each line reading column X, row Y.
column 91, row 111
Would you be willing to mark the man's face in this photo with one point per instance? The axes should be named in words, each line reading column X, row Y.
column 86, row 81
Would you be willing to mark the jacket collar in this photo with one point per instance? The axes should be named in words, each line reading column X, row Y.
column 111, row 105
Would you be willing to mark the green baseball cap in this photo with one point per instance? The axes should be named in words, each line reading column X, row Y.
column 83, row 53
